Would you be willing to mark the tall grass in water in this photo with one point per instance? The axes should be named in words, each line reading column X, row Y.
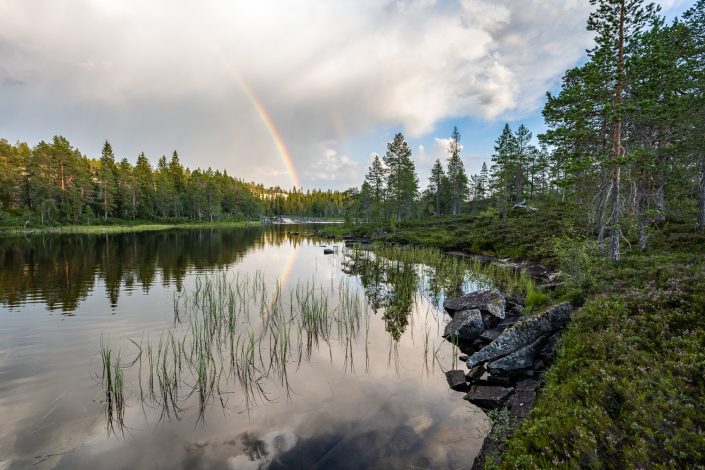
column 235, row 331
column 112, row 379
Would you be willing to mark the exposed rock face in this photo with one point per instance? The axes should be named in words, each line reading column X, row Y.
column 456, row 379
column 488, row 397
column 485, row 301
column 523, row 333
column 466, row 325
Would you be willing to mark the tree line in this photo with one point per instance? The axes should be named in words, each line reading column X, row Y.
column 390, row 192
column 53, row 183
column 624, row 149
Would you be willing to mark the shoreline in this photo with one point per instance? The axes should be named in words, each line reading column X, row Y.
column 122, row 228
column 151, row 227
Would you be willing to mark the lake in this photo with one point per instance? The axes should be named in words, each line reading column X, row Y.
column 228, row 348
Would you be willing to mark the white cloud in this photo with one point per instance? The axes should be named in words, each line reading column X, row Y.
column 332, row 167
column 165, row 74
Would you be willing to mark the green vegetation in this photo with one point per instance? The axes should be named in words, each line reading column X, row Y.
column 627, row 386
column 53, row 184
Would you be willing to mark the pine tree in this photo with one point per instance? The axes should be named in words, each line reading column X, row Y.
column 694, row 19
column 617, row 23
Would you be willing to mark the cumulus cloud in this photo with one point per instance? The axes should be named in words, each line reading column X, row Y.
column 160, row 75
column 331, row 167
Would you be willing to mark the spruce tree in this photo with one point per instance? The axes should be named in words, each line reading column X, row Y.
column 107, row 180
column 435, row 186
column 376, row 180
column 402, row 182
column 457, row 177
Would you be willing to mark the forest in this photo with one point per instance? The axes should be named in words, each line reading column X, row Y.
column 624, row 148
column 52, row 183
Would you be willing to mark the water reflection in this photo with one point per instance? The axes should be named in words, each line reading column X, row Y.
column 61, row 271
column 214, row 358
column 393, row 276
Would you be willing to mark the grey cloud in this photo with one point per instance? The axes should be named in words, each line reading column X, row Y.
column 154, row 76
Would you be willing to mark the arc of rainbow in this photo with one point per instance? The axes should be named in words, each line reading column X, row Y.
column 284, row 154
column 266, row 119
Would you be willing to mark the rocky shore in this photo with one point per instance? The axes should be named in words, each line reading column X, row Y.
column 507, row 354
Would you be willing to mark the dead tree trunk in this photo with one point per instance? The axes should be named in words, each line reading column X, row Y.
column 616, row 213
column 642, row 204
column 701, row 195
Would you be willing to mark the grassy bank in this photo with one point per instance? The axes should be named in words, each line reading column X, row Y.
column 122, row 228
column 628, row 382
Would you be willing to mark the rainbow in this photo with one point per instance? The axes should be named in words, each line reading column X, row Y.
column 266, row 119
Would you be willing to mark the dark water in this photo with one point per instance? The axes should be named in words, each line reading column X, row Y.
column 370, row 393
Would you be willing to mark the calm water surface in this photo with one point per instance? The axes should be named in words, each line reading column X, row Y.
column 367, row 392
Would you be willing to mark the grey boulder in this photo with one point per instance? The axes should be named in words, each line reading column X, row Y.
column 466, row 325
column 484, row 300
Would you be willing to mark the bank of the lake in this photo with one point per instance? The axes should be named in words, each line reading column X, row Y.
column 626, row 387
column 148, row 226
column 122, row 227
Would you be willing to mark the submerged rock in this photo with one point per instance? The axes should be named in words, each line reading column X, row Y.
column 485, row 301
column 488, row 397
column 523, row 333
column 466, row 325
column 456, row 379
column 328, row 251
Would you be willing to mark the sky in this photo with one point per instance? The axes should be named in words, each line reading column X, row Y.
column 284, row 92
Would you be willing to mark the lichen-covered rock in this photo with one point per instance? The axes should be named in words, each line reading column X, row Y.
column 485, row 301
column 466, row 325
column 490, row 335
column 522, row 358
column 523, row 333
